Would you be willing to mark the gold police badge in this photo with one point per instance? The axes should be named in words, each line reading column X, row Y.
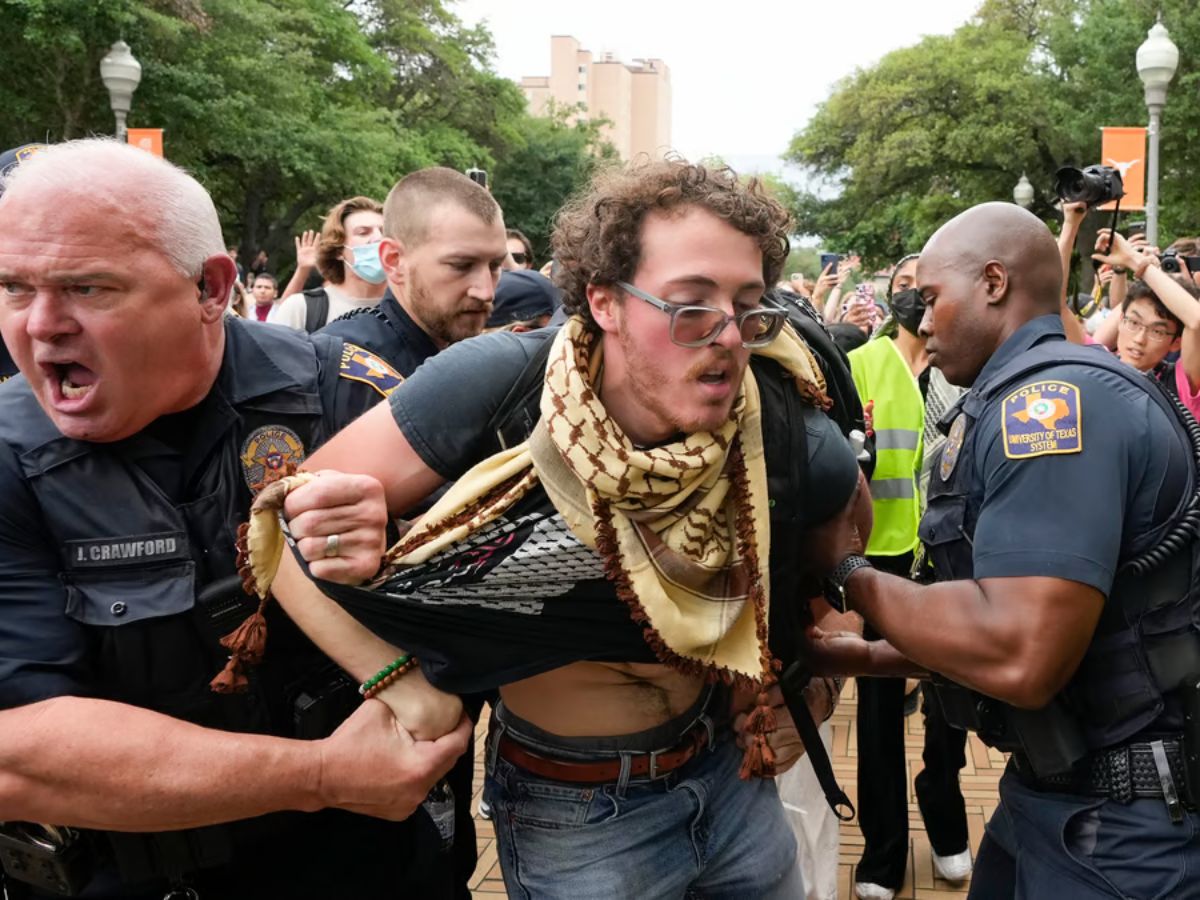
column 270, row 453
column 954, row 442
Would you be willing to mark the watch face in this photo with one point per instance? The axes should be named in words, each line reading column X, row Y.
column 835, row 596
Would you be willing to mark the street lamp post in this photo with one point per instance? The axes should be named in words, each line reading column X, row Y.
column 1023, row 193
column 121, row 74
column 1157, row 59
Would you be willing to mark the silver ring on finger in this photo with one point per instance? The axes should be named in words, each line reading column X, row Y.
column 333, row 545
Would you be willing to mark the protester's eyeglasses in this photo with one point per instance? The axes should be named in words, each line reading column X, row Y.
column 519, row 258
column 700, row 326
column 1136, row 328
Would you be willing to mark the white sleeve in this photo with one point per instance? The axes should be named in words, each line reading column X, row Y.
column 291, row 312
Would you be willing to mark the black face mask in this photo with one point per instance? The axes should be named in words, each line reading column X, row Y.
column 908, row 309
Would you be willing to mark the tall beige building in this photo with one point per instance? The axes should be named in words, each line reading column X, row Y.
column 635, row 99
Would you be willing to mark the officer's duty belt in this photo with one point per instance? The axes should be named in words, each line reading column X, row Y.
column 1123, row 774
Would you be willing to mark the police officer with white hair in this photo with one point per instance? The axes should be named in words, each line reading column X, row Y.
column 131, row 444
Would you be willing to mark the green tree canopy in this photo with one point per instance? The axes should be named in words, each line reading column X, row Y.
column 549, row 161
column 283, row 107
column 953, row 121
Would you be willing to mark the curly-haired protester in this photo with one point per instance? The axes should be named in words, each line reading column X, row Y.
column 347, row 256
column 631, row 570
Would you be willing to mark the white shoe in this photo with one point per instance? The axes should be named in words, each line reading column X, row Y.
column 485, row 811
column 865, row 890
column 953, row 868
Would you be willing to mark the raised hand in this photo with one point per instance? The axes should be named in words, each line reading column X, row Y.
column 307, row 245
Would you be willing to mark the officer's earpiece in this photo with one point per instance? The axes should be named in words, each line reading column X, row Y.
column 203, row 289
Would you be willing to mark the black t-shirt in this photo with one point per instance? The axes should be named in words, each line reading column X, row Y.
column 522, row 595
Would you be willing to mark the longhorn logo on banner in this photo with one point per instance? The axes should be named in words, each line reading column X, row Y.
column 148, row 139
column 1125, row 150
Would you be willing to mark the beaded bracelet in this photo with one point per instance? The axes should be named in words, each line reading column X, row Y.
column 389, row 674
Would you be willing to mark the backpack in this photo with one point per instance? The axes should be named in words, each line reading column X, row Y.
column 316, row 304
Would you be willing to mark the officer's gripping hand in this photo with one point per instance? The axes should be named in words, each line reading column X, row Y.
column 350, row 507
column 372, row 765
column 837, row 652
column 424, row 711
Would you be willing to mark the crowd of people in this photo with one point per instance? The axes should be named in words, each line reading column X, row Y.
column 268, row 555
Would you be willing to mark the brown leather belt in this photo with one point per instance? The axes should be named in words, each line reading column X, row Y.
column 653, row 765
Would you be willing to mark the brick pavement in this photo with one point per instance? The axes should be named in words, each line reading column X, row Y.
column 979, row 780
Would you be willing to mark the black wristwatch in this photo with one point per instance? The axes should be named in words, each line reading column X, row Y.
column 835, row 584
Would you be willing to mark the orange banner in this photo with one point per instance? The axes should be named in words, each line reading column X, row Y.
column 148, row 139
column 1125, row 150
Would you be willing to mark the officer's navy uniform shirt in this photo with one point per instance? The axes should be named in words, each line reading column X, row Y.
column 43, row 651
column 388, row 331
column 1073, row 515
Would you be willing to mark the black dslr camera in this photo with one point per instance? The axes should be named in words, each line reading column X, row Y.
column 1093, row 185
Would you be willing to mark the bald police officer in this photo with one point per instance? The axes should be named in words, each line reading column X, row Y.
column 1063, row 625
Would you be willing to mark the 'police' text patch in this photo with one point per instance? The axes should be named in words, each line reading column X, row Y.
column 1041, row 419
column 359, row 365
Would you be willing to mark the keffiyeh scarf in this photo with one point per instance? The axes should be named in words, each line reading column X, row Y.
column 682, row 529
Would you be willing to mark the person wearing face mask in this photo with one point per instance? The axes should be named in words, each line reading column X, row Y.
column 906, row 397
column 347, row 256
column 443, row 248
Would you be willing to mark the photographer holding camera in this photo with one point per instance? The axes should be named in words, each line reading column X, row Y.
column 1159, row 316
column 1153, row 317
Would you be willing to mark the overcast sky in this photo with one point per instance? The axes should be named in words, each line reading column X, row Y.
column 745, row 77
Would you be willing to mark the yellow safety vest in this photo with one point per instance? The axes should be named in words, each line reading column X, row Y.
column 881, row 374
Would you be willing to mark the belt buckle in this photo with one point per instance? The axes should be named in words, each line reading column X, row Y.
column 653, row 773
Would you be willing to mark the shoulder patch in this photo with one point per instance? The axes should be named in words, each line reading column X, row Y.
column 1041, row 419
column 360, row 365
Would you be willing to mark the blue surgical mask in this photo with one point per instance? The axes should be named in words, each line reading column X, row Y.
column 367, row 265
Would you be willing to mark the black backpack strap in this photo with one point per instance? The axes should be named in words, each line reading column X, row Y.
column 794, row 679
column 518, row 412
column 316, row 303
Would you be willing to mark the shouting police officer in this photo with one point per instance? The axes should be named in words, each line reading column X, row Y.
column 1064, row 617
column 129, row 449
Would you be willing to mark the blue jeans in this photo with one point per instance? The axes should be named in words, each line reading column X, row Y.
column 699, row 832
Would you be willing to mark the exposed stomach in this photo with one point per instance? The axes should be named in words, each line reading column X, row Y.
column 589, row 699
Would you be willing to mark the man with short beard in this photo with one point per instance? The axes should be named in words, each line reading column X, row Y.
column 442, row 249
column 610, row 574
